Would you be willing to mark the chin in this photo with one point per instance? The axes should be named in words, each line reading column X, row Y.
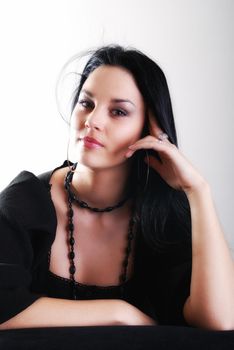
column 95, row 162
column 92, row 162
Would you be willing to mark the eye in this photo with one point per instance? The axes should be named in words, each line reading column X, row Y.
column 85, row 103
column 119, row 112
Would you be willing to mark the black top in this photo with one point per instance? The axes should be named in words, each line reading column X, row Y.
column 159, row 287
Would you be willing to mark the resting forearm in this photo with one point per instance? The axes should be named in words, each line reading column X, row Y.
column 211, row 302
column 51, row 312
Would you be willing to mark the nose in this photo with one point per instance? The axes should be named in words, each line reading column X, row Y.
column 95, row 119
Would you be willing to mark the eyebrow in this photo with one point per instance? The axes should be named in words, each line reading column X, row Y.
column 113, row 100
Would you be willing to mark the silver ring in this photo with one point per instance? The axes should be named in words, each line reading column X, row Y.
column 162, row 136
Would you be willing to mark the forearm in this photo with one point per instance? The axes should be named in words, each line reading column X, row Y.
column 52, row 312
column 211, row 302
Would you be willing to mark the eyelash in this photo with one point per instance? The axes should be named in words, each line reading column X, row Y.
column 88, row 104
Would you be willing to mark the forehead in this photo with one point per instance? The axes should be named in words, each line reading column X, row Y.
column 113, row 81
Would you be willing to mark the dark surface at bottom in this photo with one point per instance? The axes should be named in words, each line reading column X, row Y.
column 116, row 337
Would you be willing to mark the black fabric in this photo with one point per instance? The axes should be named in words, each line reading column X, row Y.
column 25, row 235
column 27, row 230
column 115, row 338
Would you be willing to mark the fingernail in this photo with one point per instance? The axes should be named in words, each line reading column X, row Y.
column 128, row 154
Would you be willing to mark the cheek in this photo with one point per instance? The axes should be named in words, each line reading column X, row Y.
column 125, row 137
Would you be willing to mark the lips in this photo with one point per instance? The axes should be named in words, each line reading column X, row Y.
column 91, row 140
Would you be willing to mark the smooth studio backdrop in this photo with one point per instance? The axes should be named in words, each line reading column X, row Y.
column 193, row 42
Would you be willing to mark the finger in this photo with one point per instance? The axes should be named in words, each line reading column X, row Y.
column 154, row 144
column 142, row 141
column 163, row 137
column 147, row 142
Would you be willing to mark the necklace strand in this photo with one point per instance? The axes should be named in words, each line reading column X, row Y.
column 71, row 240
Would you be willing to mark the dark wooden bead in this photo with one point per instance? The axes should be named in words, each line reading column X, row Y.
column 72, row 269
column 83, row 204
column 96, row 210
column 109, row 209
column 70, row 213
column 125, row 263
column 72, row 241
column 70, row 227
column 71, row 255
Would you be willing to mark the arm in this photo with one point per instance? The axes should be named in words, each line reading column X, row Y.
column 211, row 301
column 52, row 312
column 20, row 222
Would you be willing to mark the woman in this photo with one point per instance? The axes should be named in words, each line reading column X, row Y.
column 120, row 225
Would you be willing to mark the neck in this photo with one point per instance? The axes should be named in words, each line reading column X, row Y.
column 103, row 187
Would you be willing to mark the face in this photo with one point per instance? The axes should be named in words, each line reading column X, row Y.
column 110, row 110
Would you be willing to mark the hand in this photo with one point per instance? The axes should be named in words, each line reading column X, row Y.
column 129, row 315
column 174, row 168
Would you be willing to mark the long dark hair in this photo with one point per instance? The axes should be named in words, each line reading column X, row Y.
column 162, row 213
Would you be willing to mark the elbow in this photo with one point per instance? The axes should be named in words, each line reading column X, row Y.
column 208, row 320
column 220, row 326
column 211, row 324
column 223, row 325
column 227, row 327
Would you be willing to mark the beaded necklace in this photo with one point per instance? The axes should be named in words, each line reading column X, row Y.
column 71, row 197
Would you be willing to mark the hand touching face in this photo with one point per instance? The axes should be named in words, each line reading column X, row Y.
column 174, row 168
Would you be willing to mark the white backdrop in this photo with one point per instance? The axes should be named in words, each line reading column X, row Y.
column 193, row 42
